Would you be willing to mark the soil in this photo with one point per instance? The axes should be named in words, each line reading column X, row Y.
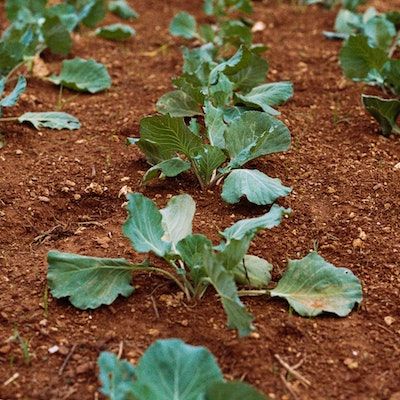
column 59, row 190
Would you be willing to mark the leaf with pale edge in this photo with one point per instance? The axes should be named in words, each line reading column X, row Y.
column 122, row 9
column 12, row 98
column 117, row 32
column 384, row 111
column 83, row 75
column 256, row 186
column 144, row 226
column 89, row 282
column 51, row 120
column 267, row 221
column 168, row 168
column 312, row 285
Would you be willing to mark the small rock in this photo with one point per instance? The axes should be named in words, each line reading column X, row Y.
column 77, row 196
column 53, row 349
column 362, row 235
column 350, row 363
column 154, row 332
column 44, row 199
column 63, row 350
column 70, row 183
column 331, row 190
column 259, row 26
column 358, row 243
column 389, row 320
column 18, row 152
column 255, row 335
column 395, row 396
column 397, row 167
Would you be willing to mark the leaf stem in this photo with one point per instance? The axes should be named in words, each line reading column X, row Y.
column 166, row 274
column 196, row 172
column 258, row 292
column 9, row 119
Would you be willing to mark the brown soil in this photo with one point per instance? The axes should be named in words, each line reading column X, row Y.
column 345, row 187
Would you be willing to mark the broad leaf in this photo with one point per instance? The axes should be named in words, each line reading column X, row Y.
column 116, row 32
column 233, row 252
column 56, row 35
column 223, row 281
column 177, row 218
column 116, row 376
column 162, row 136
column 89, row 282
column 168, row 168
column 171, row 369
column 384, row 111
column 267, row 221
column 207, row 159
column 184, row 25
column 253, row 135
column 257, row 187
column 233, row 391
column 267, row 95
column 380, row 32
column 144, row 226
column 360, row 62
column 11, row 99
column 51, row 120
column 94, row 13
column 253, row 271
column 83, row 75
column 178, row 104
column 312, row 285
column 122, row 9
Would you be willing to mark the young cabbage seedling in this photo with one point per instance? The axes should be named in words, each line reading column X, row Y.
column 194, row 263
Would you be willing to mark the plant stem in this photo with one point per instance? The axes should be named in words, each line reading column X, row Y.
column 196, row 172
column 166, row 274
column 259, row 292
column 393, row 47
column 9, row 119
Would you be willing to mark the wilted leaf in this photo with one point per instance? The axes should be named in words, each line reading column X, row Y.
column 168, row 168
column 11, row 99
column 253, row 271
column 312, row 285
column 89, row 282
column 51, row 120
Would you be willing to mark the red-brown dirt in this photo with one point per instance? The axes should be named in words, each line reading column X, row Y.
column 345, row 187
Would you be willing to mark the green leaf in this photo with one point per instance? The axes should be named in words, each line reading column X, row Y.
column 117, row 32
column 207, row 159
column 236, row 33
column 267, row 95
column 56, row 35
column 11, row 99
column 214, row 120
column 257, row 187
column 223, row 281
column 267, row 221
column 83, row 75
column 144, row 226
column 233, row 391
column 168, row 168
column 221, row 90
column 14, row 7
column 193, row 250
column 95, row 13
column 312, row 285
column 178, row 104
column 384, row 111
column 380, row 32
column 122, row 9
column 361, row 62
column 253, row 271
column 171, row 369
column 255, row 134
column 116, row 376
column 391, row 73
column 177, row 218
column 51, row 119
column 67, row 14
column 162, row 136
column 348, row 22
column 89, row 282
column 233, row 252
column 184, row 25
